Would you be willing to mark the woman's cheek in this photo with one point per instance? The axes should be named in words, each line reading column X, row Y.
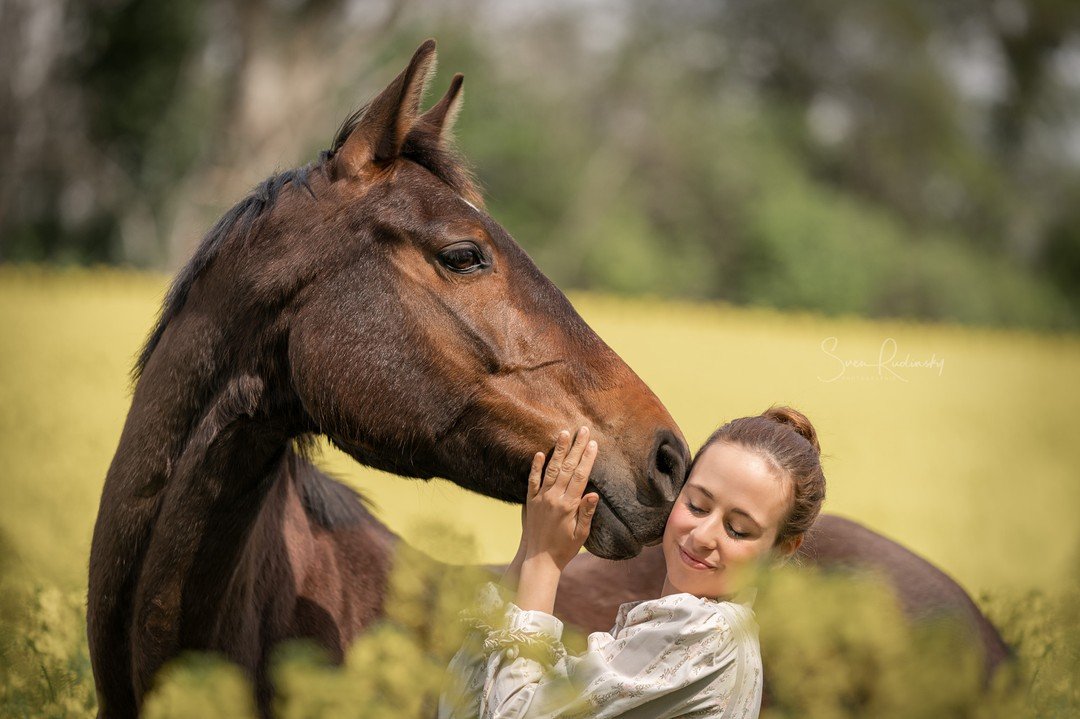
column 678, row 519
column 748, row 551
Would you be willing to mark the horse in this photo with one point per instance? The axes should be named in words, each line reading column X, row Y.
column 369, row 298
column 366, row 297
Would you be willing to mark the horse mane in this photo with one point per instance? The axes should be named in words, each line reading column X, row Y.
column 240, row 218
column 328, row 502
column 421, row 146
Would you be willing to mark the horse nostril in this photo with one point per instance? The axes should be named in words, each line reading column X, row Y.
column 669, row 465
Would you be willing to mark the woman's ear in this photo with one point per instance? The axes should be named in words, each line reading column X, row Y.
column 786, row 549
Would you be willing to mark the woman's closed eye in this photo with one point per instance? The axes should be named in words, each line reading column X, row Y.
column 695, row 509
column 700, row 512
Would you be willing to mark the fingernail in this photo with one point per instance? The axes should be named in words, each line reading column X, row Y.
column 592, row 444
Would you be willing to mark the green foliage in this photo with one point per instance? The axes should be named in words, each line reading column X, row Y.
column 44, row 662
column 838, row 646
column 835, row 646
column 133, row 60
column 1043, row 628
column 814, row 247
column 200, row 685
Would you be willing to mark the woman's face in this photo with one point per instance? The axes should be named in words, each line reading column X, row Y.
column 726, row 517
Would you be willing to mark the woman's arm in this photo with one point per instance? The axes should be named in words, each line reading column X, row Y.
column 538, row 585
column 512, row 574
column 533, row 580
column 555, row 523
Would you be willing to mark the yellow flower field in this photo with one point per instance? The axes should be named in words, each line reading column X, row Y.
column 958, row 442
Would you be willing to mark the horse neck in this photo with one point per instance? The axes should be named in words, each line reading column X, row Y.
column 198, row 458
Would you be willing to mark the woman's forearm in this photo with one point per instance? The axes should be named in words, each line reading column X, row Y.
column 538, row 584
column 512, row 574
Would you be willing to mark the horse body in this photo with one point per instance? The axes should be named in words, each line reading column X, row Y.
column 592, row 589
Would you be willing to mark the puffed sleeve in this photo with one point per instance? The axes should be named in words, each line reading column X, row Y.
column 464, row 678
column 669, row 657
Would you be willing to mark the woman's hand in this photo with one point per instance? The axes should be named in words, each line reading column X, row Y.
column 557, row 519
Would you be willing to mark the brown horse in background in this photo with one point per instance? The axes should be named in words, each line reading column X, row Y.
column 592, row 588
column 367, row 298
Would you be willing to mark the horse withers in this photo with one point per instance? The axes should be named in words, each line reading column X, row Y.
column 367, row 297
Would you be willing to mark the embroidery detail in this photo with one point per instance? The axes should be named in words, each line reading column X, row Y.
column 539, row 646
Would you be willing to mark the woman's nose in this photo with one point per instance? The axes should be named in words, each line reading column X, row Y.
column 703, row 540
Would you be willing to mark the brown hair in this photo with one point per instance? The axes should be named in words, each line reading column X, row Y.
column 787, row 439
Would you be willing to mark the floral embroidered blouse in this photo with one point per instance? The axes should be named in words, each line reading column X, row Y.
column 676, row 656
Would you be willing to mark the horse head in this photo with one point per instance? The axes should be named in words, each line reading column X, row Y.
column 385, row 308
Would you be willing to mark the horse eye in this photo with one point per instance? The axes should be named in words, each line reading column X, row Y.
column 462, row 259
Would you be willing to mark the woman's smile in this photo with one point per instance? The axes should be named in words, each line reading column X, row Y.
column 692, row 561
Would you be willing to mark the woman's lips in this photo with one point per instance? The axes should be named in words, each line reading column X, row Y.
column 689, row 561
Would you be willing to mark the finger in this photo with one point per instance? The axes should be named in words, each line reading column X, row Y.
column 562, row 443
column 535, row 475
column 586, row 511
column 570, row 463
column 580, row 477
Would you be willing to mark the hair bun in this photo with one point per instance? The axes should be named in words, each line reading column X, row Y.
column 796, row 420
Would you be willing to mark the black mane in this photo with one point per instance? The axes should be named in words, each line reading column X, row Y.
column 240, row 219
column 328, row 502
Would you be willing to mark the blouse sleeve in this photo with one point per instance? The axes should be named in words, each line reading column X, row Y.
column 662, row 662
column 464, row 678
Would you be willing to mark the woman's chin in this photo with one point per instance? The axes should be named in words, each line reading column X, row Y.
column 681, row 581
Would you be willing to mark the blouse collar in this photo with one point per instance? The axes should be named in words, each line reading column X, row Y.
column 744, row 596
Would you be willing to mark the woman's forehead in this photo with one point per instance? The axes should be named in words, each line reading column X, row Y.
column 735, row 476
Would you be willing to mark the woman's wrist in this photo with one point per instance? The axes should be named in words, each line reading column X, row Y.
column 512, row 573
column 538, row 583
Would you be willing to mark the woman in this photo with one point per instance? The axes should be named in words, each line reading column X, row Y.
column 754, row 489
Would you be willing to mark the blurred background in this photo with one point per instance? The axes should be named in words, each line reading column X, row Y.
column 752, row 202
column 898, row 158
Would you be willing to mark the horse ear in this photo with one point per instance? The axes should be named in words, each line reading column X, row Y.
column 381, row 130
column 442, row 115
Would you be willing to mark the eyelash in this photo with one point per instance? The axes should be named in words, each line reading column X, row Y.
column 693, row 509
column 730, row 529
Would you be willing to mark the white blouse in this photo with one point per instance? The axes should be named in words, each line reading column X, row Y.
column 676, row 656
